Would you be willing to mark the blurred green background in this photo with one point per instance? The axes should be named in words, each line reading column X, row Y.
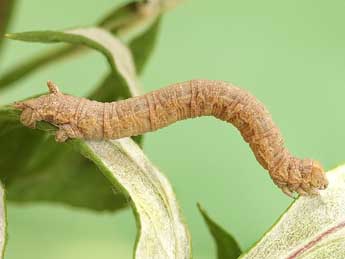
column 290, row 54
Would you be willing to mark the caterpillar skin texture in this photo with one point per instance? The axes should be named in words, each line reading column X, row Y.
column 78, row 117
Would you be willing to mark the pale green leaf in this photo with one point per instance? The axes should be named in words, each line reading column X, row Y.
column 162, row 232
column 117, row 54
column 227, row 246
column 312, row 227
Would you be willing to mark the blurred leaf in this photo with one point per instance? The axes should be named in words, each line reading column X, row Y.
column 312, row 227
column 161, row 230
column 33, row 64
column 120, row 17
column 3, row 222
column 117, row 54
column 107, row 92
column 141, row 49
column 60, row 174
column 122, row 21
column 6, row 10
column 143, row 45
column 136, row 17
column 227, row 246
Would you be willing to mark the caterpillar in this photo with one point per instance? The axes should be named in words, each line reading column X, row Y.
column 77, row 117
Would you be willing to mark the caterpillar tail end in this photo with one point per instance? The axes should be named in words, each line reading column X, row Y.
column 301, row 177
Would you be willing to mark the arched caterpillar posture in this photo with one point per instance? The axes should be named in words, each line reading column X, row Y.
column 78, row 117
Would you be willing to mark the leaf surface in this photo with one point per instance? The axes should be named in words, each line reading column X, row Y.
column 312, row 227
column 161, row 229
column 162, row 232
column 227, row 246
column 117, row 54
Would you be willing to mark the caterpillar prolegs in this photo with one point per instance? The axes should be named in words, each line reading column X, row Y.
column 78, row 117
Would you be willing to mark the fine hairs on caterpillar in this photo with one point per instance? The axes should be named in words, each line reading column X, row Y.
column 77, row 117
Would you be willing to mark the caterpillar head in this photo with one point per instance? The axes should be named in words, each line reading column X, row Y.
column 44, row 107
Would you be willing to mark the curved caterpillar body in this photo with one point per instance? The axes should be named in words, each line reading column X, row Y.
column 78, row 117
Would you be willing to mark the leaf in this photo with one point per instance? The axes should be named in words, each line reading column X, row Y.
column 143, row 45
column 136, row 17
column 127, row 16
column 3, row 222
column 60, row 174
column 31, row 65
column 162, row 232
column 120, row 17
column 312, row 227
column 6, row 10
column 227, row 246
column 118, row 56
column 141, row 49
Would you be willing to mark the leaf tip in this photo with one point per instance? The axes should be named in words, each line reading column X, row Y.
column 200, row 208
column 9, row 35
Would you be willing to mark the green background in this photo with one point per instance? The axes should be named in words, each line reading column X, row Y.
column 290, row 54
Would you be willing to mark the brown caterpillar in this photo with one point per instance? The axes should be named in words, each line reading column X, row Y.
column 78, row 117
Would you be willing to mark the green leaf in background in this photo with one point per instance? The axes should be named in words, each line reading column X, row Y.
column 312, row 227
column 136, row 17
column 143, row 45
column 122, row 21
column 61, row 174
column 6, row 9
column 141, row 48
column 3, row 222
column 161, row 230
column 227, row 246
column 31, row 65
column 117, row 54
column 121, row 17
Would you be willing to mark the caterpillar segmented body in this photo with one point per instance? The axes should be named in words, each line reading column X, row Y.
column 82, row 118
